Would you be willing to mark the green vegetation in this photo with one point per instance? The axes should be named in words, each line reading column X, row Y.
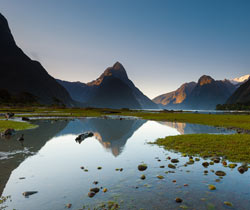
column 220, row 120
column 233, row 106
column 235, row 147
column 240, row 121
column 5, row 124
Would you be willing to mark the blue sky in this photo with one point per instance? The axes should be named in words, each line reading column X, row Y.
column 161, row 43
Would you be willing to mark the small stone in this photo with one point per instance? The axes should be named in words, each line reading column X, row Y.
column 169, row 158
column 171, row 166
column 105, row 190
column 28, row 193
column 82, row 167
column 69, row 205
column 174, row 181
column 228, row 203
column 242, row 169
column 95, row 182
column 197, row 159
column 211, row 163
column 86, row 170
column 142, row 167
column 211, row 187
column 232, row 165
column 175, row 161
column 220, row 173
column 99, row 168
column 121, row 169
column 205, row 172
column 162, row 166
column 95, row 190
column 178, row 200
column 224, row 163
column 143, row 177
column 160, row 177
column 205, row 164
column 185, row 185
column 91, row 194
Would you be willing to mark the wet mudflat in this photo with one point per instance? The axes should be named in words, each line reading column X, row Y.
column 102, row 171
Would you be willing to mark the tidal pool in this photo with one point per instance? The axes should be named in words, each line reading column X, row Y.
column 50, row 161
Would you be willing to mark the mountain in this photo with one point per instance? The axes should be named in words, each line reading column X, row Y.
column 241, row 95
column 240, row 80
column 175, row 97
column 113, row 89
column 21, row 75
column 205, row 94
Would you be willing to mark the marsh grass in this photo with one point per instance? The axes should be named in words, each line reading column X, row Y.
column 5, row 124
column 235, row 147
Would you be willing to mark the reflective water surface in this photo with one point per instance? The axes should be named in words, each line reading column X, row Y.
column 50, row 161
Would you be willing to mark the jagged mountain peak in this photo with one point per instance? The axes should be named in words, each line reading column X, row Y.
column 117, row 70
column 205, row 79
column 241, row 79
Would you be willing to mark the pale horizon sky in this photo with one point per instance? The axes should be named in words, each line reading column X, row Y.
column 162, row 44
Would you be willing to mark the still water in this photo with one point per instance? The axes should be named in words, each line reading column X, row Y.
column 50, row 163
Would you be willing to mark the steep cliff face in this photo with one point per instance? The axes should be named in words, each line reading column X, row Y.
column 21, row 74
column 241, row 95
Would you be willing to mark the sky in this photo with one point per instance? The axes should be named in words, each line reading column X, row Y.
column 161, row 43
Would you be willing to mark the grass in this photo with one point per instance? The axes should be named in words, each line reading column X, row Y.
column 241, row 121
column 235, row 147
column 5, row 124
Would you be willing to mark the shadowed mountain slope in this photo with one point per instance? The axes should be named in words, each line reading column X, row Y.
column 20, row 74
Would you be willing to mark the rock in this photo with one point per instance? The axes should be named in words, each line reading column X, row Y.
column 69, row 205
column 211, row 187
column 142, row 167
column 211, row 163
column 91, row 194
column 205, row 172
column 28, row 193
column 143, row 177
column 86, row 170
column 160, row 177
column 95, row 190
column 105, row 190
column 220, row 173
column 178, row 200
column 169, row 158
column 162, row 166
column 232, row 165
column 205, row 164
column 197, row 159
column 95, row 182
column 8, row 132
column 174, row 181
column 83, row 136
column 172, row 166
column 185, row 185
column 121, row 169
column 99, row 168
column 224, row 163
column 25, row 119
column 228, row 203
column 175, row 161
column 216, row 160
column 9, row 115
column 82, row 167
column 242, row 169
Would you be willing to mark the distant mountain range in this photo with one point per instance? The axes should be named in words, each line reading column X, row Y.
column 112, row 89
column 22, row 76
column 205, row 94
column 25, row 81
